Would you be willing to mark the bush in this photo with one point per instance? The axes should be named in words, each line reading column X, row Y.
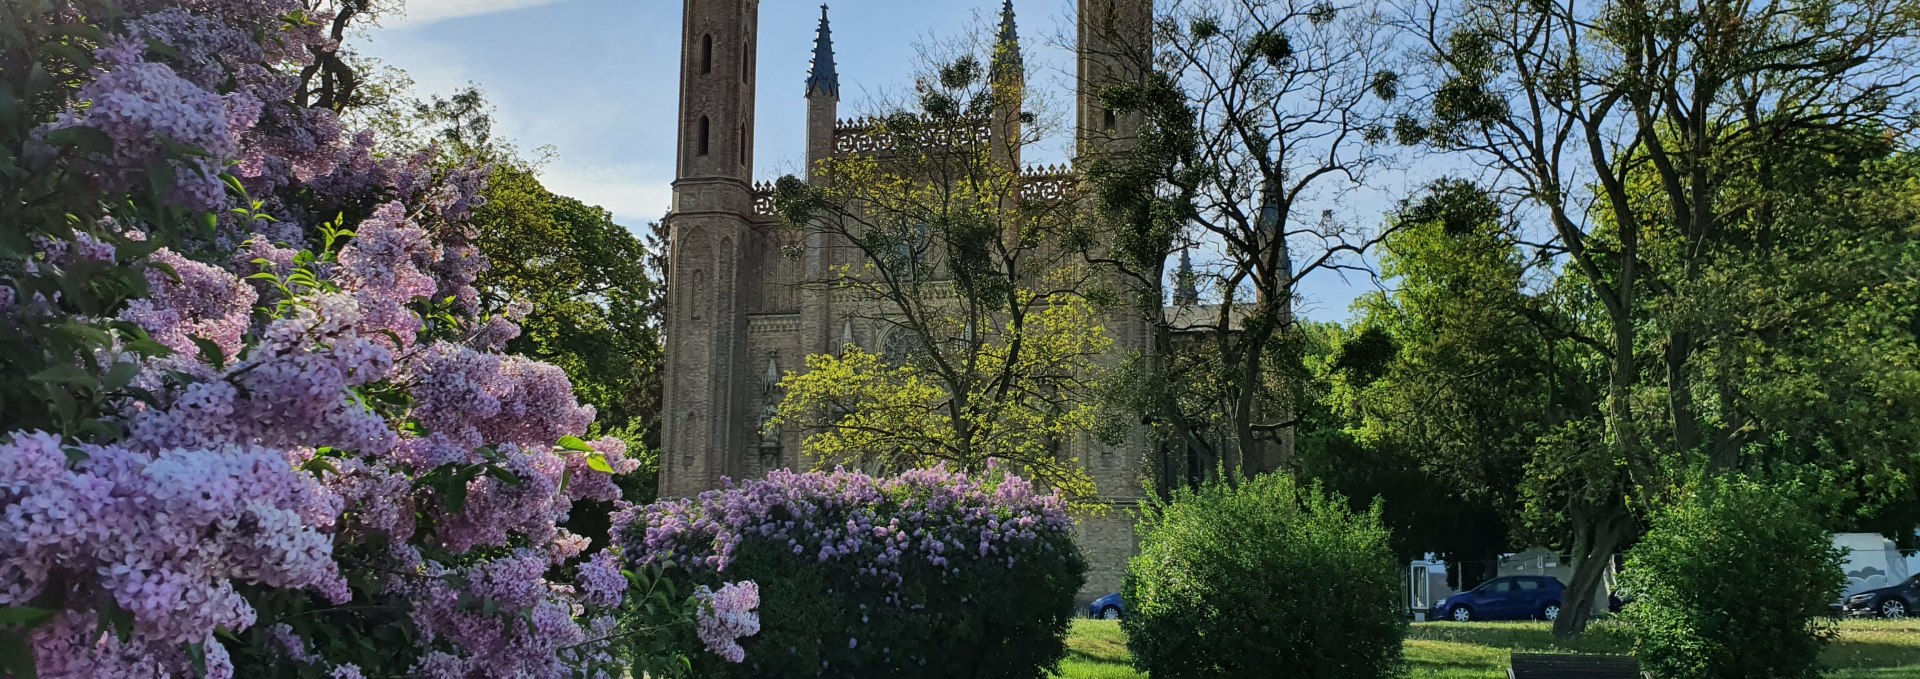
column 255, row 419
column 1260, row 580
column 1733, row 580
column 929, row 574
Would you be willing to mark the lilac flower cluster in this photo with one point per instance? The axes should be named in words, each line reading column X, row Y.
column 727, row 615
column 189, row 299
column 383, row 266
column 875, row 562
column 137, row 103
column 469, row 398
column 600, row 582
column 932, row 517
column 166, row 535
column 289, row 390
column 296, row 453
column 517, row 629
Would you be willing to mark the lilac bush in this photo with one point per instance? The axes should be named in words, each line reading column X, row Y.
column 929, row 573
column 254, row 418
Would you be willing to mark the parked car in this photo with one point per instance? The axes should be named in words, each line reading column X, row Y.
column 1893, row 603
column 1513, row 597
column 1108, row 607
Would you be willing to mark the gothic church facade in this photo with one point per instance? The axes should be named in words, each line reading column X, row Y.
column 739, row 311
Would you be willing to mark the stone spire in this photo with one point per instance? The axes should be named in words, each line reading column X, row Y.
column 824, row 79
column 1185, row 291
column 1006, row 50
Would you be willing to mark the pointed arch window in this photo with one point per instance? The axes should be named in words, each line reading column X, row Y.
column 706, row 53
column 706, row 135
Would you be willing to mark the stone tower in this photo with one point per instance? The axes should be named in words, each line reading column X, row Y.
column 1115, row 43
column 709, row 229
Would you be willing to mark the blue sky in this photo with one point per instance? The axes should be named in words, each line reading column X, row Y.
column 597, row 82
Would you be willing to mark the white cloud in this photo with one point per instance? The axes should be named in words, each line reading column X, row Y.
column 628, row 190
column 423, row 12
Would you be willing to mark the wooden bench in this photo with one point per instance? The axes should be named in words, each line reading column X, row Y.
column 1570, row 666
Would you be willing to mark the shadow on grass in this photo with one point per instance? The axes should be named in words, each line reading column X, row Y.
column 1870, row 649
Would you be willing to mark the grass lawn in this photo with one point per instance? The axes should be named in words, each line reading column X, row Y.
column 1866, row 649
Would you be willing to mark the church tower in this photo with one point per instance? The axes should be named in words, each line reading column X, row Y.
column 710, row 229
column 1115, row 48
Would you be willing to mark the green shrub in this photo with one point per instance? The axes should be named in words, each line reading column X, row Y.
column 1266, row 579
column 1733, row 580
column 929, row 574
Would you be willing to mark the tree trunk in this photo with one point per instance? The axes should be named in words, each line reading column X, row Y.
column 1604, row 533
column 1680, row 404
column 1600, row 527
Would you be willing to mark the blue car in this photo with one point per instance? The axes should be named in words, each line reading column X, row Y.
column 1514, row 597
column 1108, row 607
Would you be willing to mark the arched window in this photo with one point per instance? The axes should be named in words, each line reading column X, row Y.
column 706, row 53
column 743, row 145
column 901, row 346
column 706, row 134
column 746, row 61
column 910, row 250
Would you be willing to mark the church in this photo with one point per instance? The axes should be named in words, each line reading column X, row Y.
column 739, row 311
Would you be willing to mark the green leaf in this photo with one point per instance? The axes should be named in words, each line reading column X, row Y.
column 210, row 352
column 120, row 375
column 599, row 463
column 319, row 465
column 63, row 373
column 22, row 616
column 456, row 491
column 16, row 656
column 163, row 49
column 197, row 656
column 574, row 443
column 81, row 138
column 9, row 107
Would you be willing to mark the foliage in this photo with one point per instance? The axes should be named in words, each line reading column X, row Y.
column 257, row 420
column 1239, row 136
column 864, row 411
column 929, row 573
column 1672, row 169
column 1733, row 580
column 988, row 328
column 1317, row 580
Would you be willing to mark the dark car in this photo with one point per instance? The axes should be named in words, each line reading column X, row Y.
column 1893, row 603
column 1513, row 597
column 1108, row 607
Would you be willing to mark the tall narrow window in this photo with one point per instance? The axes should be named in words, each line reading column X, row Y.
column 743, row 145
column 706, row 135
column 706, row 53
column 746, row 61
column 1112, row 121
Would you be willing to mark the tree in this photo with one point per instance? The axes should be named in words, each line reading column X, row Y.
column 1566, row 104
column 590, row 289
column 1260, row 112
column 893, row 416
column 992, row 346
column 1445, row 382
